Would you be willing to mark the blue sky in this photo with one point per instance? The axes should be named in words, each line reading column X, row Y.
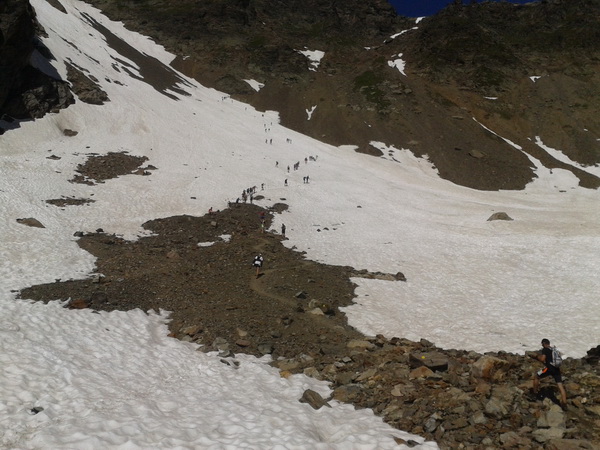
column 417, row 8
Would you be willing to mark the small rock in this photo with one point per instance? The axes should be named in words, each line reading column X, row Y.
column 287, row 364
column 478, row 418
column 476, row 154
column 421, row 372
column 347, row 392
column 31, row 222
column 399, row 276
column 357, row 344
column 499, row 216
column 78, row 303
column 366, row 375
column 221, row 344
column 98, row 278
column 266, row 348
column 314, row 399
column 192, row 330
column 433, row 360
column 496, row 408
column 173, row 255
column 546, row 434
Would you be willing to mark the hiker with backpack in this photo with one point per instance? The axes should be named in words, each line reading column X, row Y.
column 552, row 360
column 258, row 262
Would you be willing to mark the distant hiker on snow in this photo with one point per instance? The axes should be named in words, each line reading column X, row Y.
column 283, row 229
column 552, row 360
column 258, row 262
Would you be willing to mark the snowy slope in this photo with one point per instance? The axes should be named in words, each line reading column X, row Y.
column 115, row 380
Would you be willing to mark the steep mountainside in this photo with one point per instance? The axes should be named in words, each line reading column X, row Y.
column 468, row 62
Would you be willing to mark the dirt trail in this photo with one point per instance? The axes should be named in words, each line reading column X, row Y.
column 321, row 314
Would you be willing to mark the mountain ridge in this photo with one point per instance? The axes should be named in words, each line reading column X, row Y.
column 467, row 62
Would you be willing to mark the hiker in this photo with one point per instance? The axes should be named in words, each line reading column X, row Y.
column 258, row 261
column 285, row 182
column 283, row 229
column 550, row 369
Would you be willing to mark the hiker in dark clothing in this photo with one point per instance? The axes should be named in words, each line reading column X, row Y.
column 258, row 262
column 283, row 229
column 550, row 369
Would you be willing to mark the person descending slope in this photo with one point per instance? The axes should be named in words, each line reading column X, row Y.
column 258, row 262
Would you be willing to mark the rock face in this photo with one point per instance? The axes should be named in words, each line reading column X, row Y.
column 17, row 30
column 25, row 92
column 86, row 88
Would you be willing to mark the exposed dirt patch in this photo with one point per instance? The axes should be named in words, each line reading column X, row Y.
column 213, row 287
column 112, row 165
column 69, row 201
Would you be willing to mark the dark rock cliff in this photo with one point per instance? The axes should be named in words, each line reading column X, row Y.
column 25, row 91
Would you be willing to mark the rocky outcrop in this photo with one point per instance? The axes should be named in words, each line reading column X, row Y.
column 86, row 87
column 25, row 92
column 460, row 399
column 17, row 30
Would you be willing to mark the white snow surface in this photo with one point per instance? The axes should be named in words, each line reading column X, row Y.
column 594, row 170
column 314, row 56
column 115, row 380
column 398, row 63
column 256, row 85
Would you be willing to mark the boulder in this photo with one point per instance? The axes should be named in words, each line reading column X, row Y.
column 486, row 366
column 31, row 222
column 499, row 216
column 433, row 360
column 314, row 399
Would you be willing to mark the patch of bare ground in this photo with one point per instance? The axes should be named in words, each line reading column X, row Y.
column 98, row 168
